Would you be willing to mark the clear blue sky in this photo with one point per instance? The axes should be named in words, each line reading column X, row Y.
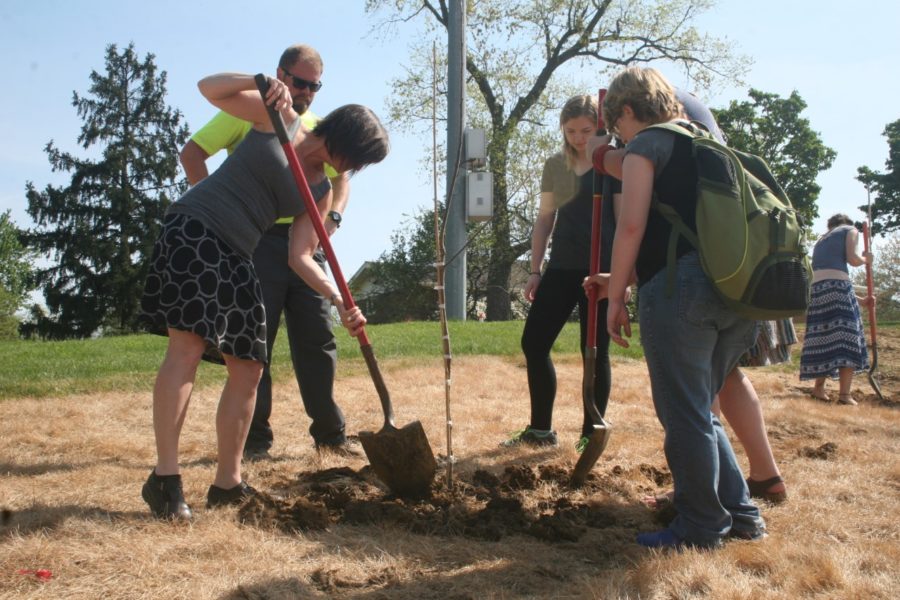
column 843, row 62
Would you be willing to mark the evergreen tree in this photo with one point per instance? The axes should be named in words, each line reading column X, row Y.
column 885, row 186
column 15, row 276
column 100, row 229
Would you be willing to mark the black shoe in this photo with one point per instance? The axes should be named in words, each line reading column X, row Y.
column 216, row 496
column 346, row 449
column 165, row 496
column 256, row 454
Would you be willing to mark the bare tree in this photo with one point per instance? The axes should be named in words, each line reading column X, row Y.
column 518, row 53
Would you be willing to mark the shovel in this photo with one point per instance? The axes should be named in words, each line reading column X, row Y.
column 401, row 458
column 601, row 429
column 872, row 328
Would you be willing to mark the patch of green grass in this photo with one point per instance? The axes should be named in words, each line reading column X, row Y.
column 423, row 338
column 129, row 363
column 79, row 366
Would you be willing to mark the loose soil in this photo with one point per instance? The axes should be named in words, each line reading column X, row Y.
column 522, row 499
column 484, row 506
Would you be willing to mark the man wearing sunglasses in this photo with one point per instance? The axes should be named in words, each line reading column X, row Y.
column 307, row 314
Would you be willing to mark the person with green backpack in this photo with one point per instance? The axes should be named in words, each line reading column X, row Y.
column 692, row 339
column 737, row 400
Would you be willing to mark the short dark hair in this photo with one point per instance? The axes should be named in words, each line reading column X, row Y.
column 838, row 219
column 354, row 134
column 300, row 52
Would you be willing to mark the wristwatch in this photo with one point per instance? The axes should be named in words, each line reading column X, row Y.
column 335, row 216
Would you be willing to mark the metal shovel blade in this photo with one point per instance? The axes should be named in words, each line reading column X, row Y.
column 601, row 429
column 401, row 458
column 875, row 386
column 872, row 381
column 595, row 447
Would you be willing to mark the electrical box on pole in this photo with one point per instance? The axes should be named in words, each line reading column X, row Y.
column 479, row 196
column 475, row 148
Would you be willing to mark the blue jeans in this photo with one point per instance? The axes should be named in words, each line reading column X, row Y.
column 691, row 342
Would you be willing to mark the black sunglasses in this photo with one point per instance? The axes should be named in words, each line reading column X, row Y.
column 300, row 83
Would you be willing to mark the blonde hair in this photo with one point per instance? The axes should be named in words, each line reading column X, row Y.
column 576, row 106
column 650, row 96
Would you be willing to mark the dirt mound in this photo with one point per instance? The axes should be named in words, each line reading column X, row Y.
column 827, row 451
column 523, row 499
column 299, row 514
column 332, row 580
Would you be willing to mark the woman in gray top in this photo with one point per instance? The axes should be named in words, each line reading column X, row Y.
column 202, row 291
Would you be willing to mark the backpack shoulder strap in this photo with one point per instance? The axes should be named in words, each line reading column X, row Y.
column 691, row 129
column 679, row 228
column 684, row 129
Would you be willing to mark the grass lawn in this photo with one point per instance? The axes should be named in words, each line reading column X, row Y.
column 40, row 369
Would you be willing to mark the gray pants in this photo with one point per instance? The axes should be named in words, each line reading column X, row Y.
column 307, row 316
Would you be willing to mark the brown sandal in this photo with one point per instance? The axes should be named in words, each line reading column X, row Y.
column 760, row 489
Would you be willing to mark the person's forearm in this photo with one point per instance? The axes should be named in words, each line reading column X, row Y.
column 540, row 239
column 310, row 272
column 340, row 190
column 624, row 255
column 609, row 162
column 195, row 173
column 855, row 260
column 193, row 161
column 223, row 85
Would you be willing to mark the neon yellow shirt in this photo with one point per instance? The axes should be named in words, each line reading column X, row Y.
column 225, row 132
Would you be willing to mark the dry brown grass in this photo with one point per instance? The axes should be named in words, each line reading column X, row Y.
column 72, row 467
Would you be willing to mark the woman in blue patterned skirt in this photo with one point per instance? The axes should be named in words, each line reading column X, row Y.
column 834, row 345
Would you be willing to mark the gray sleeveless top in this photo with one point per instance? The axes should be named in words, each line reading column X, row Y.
column 244, row 197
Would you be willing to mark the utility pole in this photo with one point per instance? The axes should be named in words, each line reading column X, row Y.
column 455, row 240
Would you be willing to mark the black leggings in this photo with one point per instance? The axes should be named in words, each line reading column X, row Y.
column 559, row 292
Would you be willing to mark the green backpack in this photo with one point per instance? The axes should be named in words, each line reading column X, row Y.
column 749, row 237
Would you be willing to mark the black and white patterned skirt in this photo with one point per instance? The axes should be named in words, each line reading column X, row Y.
column 197, row 283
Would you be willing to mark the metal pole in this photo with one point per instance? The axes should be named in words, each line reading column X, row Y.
column 455, row 275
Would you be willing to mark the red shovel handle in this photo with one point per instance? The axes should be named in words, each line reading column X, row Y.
column 596, row 218
column 870, row 286
column 311, row 209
